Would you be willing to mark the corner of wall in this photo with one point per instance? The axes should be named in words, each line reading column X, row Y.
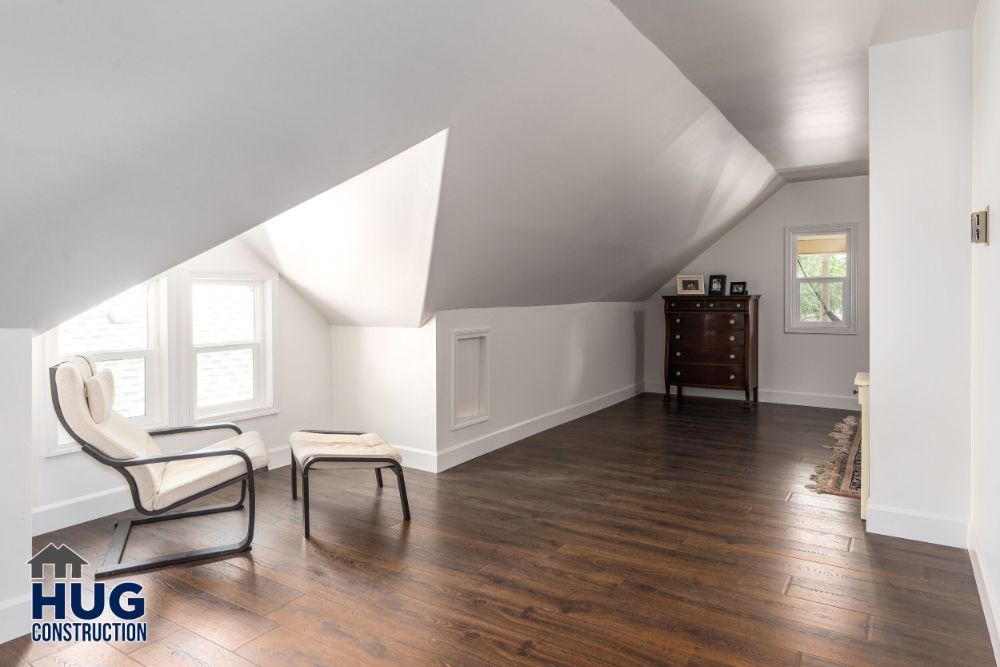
column 988, row 593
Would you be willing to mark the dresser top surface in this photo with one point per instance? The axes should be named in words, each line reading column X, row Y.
column 720, row 297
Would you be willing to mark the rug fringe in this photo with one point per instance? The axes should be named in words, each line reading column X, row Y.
column 842, row 435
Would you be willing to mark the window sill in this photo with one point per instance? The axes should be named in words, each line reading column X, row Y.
column 842, row 331
column 238, row 415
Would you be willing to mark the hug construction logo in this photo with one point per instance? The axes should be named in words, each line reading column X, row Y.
column 114, row 616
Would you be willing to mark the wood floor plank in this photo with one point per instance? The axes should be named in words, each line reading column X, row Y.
column 640, row 534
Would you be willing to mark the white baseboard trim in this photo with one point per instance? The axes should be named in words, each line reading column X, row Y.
column 279, row 457
column 989, row 596
column 15, row 617
column 70, row 512
column 466, row 451
column 420, row 459
column 951, row 531
column 768, row 396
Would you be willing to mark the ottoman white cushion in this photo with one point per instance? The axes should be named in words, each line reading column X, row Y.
column 305, row 445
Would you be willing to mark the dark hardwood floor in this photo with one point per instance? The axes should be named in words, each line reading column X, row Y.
column 637, row 535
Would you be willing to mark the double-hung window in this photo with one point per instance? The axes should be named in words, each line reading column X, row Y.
column 820, row 279
column 183, row 347
column 124, row 335
column 230, row 345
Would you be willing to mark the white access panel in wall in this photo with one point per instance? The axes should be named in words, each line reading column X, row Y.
column 470, row 378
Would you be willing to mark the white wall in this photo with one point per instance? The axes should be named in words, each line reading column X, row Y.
column 920, row 122
column 72, row 488
column 984, row 520
column 803, row 369
column 384, row 382
column 15, row 494
column 547, row 365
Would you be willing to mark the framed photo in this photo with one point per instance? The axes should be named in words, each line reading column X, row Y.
column 737, row 288
column 717, row 285
column 690, row 284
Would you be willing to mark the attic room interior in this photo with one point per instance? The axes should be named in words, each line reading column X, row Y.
column 439, row 332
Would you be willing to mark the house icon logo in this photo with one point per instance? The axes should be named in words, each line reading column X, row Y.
column 61, row 558
column 62, row 612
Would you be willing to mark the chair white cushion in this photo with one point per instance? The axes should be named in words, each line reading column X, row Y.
column 100, row 395
column 305, row 445
column 114, row 436
column 158, row 484
column 183, row 479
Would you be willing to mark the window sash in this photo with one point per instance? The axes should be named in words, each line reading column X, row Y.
column 793, row 282
column 56, row 440
column 263, row 395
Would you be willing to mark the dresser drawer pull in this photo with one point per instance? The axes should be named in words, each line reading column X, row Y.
column 731, row 356
column 677, row 354
column 732, row 338
column 711, row 305
column 732, row 377
column 730, row 321
column 739, row 305
column 677, row 373
column 678, row 320
column 697, row 305
column 672, row 304
column 677, row 336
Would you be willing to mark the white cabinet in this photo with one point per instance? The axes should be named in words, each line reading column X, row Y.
column 863, row 385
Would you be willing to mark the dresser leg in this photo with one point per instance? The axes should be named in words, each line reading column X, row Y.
column 666, row 395
column 746, row 401
column 755, row 399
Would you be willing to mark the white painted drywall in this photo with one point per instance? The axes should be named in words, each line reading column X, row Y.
column 15, row 493
column 361, row 251
column 577, row 152
column 72, row 488
column 920, row 304
column 547, row 365
column 384, row 382
column 803, row 369
column 984, row 520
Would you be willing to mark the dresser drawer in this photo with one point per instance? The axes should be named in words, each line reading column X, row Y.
column 694, row 338
column 718, row 376
column 706, row 305
column 711, row 355
column 686, row 320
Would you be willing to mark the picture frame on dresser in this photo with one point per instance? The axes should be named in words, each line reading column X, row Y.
column 711, row 342
column 690, row 284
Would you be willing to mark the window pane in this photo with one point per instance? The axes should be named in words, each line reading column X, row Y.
column 223, row 314
column 821, row 255
column 225, row 377
column 130, row 385
column 821, row 302
column 120, row 323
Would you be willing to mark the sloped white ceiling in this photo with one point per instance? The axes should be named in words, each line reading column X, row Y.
column 135, row 134
column 791, row 75
column 360, row 252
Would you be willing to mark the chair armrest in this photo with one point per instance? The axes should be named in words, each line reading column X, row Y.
column 174, row 430
column 307, row 430
column 182, row 456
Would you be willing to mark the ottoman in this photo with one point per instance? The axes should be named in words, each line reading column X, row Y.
column 319, row 450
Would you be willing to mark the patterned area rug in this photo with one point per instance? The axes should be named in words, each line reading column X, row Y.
column 841, row 475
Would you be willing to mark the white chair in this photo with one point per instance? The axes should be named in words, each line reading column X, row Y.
column 83, row 396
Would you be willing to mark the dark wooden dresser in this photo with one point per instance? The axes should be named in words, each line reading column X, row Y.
column 711, row 342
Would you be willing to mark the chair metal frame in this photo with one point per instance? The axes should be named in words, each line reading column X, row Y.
column 389, row 462
column 113, row 565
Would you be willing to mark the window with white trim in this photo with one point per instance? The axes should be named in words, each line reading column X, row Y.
column 204, row 353
column 820, row 279
column 230, row 351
